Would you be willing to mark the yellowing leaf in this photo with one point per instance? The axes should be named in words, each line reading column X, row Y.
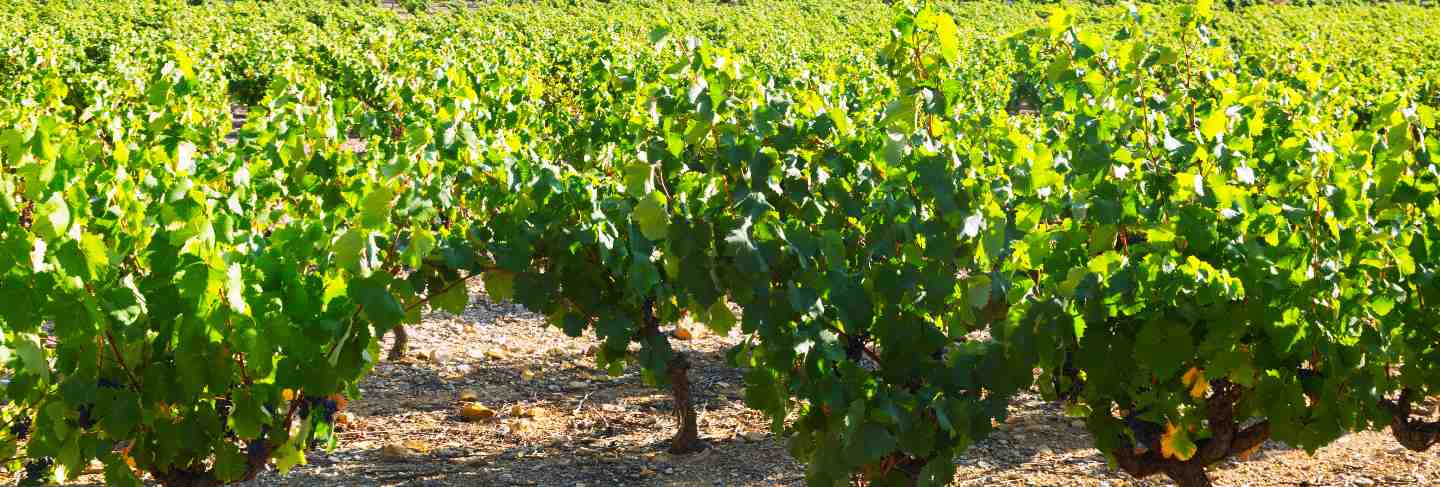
column 949, row 37
column 1214, row 124
column 1195, row 380
column 1176, row 443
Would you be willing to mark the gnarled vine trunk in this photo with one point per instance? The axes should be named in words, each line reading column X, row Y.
column 401, row 345
column 687, row 434
column 1416, row 435
column 687, row 437
column 1227, row 439
column 256, row 459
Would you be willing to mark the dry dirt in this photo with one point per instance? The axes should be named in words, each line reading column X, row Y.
column 561, row 422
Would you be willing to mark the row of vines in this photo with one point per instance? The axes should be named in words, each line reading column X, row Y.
column 1200, row 230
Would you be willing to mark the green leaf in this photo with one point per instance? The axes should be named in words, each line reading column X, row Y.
column 652, row 217
column 453, row 300
column 247, row 416
column 352, row 251
column 376, row 302
column 1382, row 305
column 1164, row 346
column 97, row 255
column 869, row 443
column 230, row 463
column 118, row 474
column 288, row 456
column 977, row 293
column 722, row 320
column 120, row 411
column 422, row 242
column 27, row 346
column 637, row 179
column 658, row 36
column 54, row 216
column 375, row 208
column 499, row 284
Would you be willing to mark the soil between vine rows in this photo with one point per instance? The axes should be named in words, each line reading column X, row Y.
column 562, row 422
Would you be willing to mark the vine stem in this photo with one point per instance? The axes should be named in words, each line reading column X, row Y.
column 447, row 288
column 119, row 359
column 419, row 303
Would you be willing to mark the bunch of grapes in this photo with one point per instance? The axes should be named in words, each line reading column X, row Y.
column 256, row 449
column 20, row 427
column 87, row 416
column 37, row 472
column 324, row 405
column 222, row 408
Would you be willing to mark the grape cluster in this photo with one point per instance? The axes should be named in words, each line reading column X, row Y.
column 87, row 416
column 20, row 427
column 37, row 472
column 256, row 449
column 324, row 405
column 223, row 407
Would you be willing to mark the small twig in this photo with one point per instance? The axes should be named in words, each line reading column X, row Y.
column 582, row 403
column 446, row 289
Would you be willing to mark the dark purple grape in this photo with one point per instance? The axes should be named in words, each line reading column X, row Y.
column 20, row 427
column 37, row 473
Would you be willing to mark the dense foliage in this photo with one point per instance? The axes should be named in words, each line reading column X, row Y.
column 908, row 211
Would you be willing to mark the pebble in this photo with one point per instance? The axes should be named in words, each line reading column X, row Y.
column 1077, row 424
column 1363, row 481
column 577, row 384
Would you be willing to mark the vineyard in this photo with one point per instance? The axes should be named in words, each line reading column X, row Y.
column 851, row 242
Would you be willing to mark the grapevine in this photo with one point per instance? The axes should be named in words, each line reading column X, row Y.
column 910, row 217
